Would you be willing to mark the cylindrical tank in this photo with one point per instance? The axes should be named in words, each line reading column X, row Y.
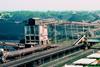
column 24, row 51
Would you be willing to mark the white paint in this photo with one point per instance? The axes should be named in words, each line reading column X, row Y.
column 72, row 65
column 94, row 55
column 84, row 61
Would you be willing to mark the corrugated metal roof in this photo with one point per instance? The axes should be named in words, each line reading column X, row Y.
column 72, row 65
column 93, row 40
column 84, row 61
column 94, row 55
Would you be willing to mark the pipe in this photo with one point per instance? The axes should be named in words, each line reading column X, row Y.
column 16, row 45
column 9, row 44
column 24, row 51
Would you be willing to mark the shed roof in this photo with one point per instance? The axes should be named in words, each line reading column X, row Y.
column 84, row 61
column 94, row 55
column 72, row 65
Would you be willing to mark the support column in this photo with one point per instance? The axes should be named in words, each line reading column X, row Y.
column 55, row 33
column 50, row 58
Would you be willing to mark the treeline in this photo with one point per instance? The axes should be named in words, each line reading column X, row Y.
column 19, row 16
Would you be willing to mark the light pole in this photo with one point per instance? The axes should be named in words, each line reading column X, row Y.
column 55, row 33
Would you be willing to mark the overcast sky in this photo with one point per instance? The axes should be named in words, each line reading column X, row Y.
column 44, row 5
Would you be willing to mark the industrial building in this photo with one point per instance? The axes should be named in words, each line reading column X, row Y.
column 36, row 32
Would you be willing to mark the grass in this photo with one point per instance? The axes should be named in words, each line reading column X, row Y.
column 96, row 46
column 67, row 42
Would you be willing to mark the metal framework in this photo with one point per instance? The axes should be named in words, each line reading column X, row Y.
column 76, row 29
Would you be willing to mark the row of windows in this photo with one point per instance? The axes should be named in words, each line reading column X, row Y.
column 32, row 30
column 32, row 37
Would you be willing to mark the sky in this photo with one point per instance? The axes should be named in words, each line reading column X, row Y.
column 52, row 5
